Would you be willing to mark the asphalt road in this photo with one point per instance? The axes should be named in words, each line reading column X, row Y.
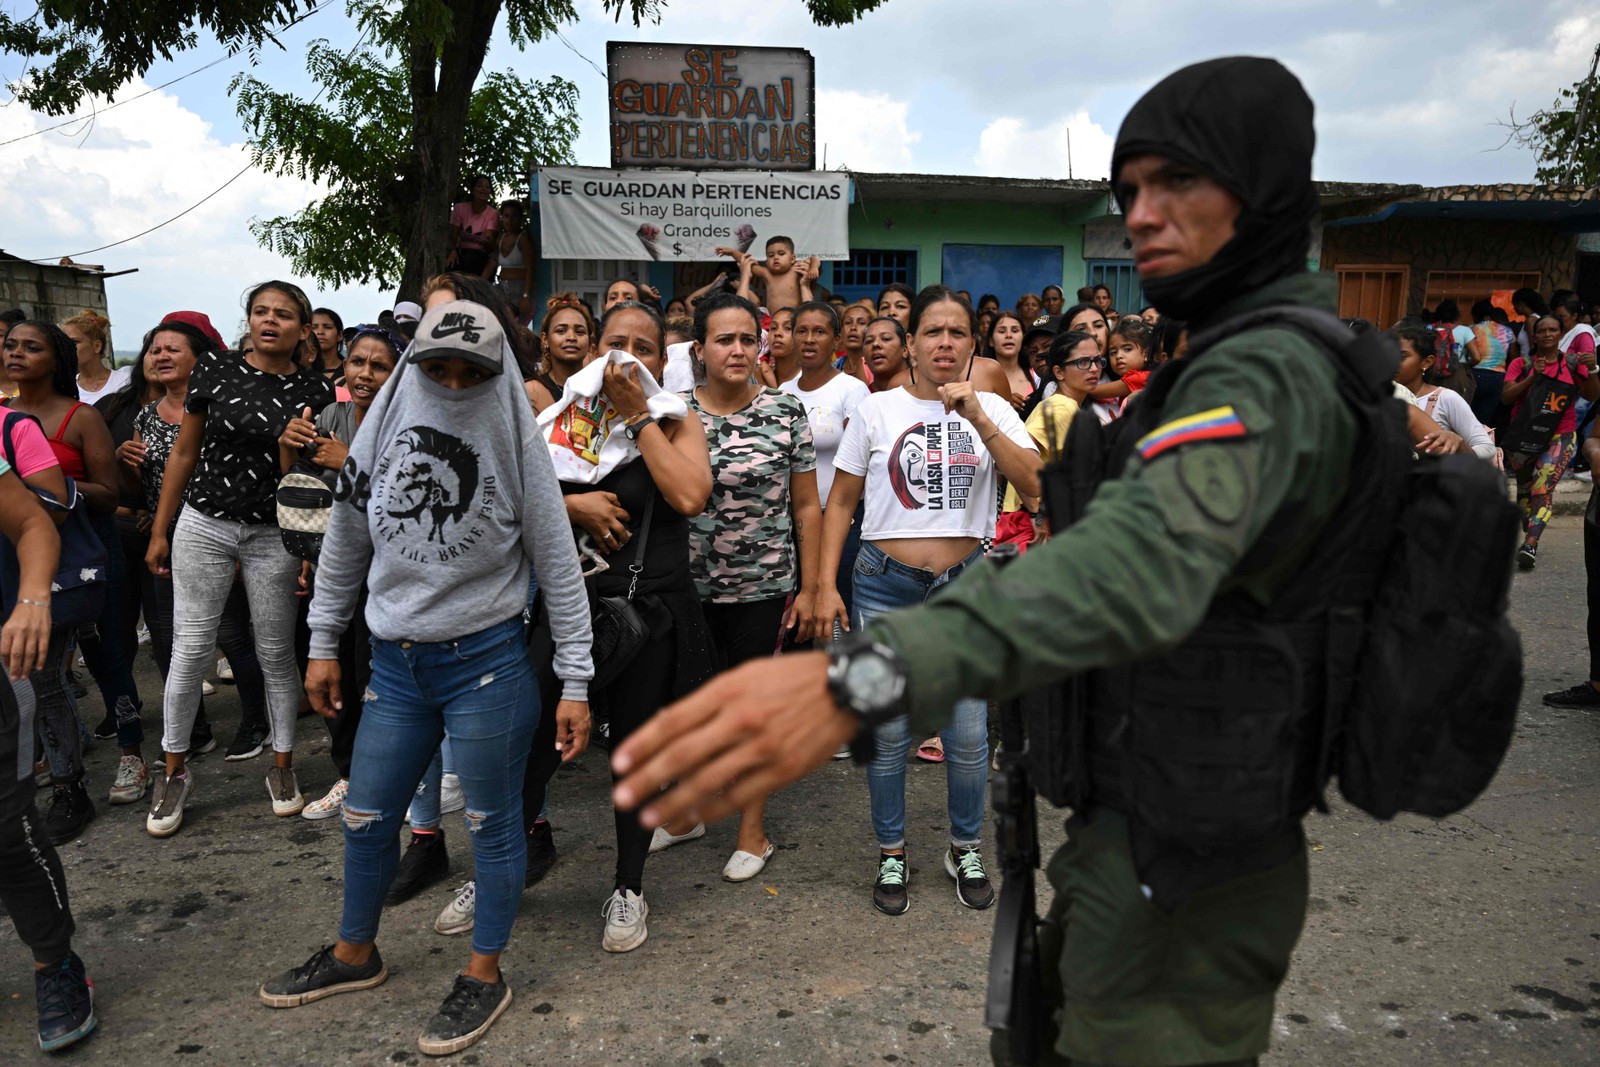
column 1475, row 939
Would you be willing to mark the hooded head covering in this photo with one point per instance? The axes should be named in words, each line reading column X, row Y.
column 441, row 489
column 470, row 439
column 1247, row 124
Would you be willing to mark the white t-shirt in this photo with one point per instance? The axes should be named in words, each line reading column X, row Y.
column 1451, row 411
column 928, row 473
column 828, row 409
column 118, row 379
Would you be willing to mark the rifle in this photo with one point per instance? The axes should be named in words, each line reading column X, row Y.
column 1014, row 1007
column 1054, row 750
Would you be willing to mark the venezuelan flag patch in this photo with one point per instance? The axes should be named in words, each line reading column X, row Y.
column 1215, row 425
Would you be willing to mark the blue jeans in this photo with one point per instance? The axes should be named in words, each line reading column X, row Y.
column 882, row 585
column 480, row 690
column 425, row 807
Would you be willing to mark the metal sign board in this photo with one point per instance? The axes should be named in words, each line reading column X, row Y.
column 711, row 106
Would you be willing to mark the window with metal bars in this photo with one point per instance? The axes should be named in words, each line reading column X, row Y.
column 868, row 270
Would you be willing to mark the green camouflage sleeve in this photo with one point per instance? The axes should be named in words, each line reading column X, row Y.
column 1255, row 430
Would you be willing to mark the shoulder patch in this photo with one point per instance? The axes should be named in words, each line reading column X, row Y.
column 1214, row 425
column 1215, row 481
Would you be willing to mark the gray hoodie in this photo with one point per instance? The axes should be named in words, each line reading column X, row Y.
column 446, row 498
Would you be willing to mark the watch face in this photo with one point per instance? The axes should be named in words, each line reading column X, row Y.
column 871, row 680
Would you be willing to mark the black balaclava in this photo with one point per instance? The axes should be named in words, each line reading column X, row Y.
column 1245, row 123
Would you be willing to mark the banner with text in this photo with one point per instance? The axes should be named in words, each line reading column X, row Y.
column 685, row 216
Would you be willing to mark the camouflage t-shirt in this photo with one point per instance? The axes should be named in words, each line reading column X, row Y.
column 740, row 545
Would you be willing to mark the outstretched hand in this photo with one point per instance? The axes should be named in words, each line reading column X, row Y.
column 744, row 734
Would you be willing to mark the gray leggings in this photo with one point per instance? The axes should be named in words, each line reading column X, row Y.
column 204, row 551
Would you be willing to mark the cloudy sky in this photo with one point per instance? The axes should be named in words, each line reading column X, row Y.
column 1406, row 91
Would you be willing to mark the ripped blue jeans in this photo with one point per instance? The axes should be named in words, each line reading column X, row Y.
column 481, row 691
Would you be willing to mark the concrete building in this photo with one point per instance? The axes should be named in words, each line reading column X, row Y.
column 54, row 292
column 1395, row 248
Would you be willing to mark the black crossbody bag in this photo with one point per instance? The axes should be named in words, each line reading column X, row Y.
column 619, row 630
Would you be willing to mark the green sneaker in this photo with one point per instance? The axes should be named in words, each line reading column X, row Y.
column 889, row 891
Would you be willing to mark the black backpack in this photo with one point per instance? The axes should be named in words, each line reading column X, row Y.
column 1437, row 675
column 1425, row 671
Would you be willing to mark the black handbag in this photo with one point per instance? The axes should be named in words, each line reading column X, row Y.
column 619, row 630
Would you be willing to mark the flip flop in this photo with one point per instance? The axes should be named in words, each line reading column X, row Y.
column 931, row 750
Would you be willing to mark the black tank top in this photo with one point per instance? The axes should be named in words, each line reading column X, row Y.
column 666, row 562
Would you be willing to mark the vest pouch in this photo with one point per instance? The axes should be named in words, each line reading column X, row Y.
column 1053, row 724
column 1212, row 735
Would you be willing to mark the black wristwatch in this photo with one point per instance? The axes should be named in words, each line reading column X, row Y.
column 634, row 429
column 867, row 679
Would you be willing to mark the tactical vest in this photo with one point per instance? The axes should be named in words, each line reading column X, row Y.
column 1217, row 747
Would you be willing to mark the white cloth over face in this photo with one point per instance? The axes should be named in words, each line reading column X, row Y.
column 584, row 432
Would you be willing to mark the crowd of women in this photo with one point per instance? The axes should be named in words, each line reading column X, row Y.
column 633, row 500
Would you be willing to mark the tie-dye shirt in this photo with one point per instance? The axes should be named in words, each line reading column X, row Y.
column 1493, row 341
column 740, row 548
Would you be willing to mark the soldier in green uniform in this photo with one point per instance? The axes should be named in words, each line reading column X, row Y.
column 1167, row 956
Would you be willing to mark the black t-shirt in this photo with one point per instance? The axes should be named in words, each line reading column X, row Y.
column 245, row 409
column 119, row 409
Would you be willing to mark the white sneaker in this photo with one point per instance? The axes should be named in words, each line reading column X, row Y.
column 144, row 634
column 457, row 916
column 743, row 866
column 662, row 840
column 133, row 778
column 844, row 750
column 166, row 804
column 625, row 913
column 451, row 798
column 224, row 670
column 207, row 689
column 329, row 805
column 285, row 791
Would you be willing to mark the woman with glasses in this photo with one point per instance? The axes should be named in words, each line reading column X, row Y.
column 1075, row 364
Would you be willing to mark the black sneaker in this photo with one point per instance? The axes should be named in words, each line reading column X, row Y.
column 322, row 976
column 1582, row 695
column 201, row 741
column 425, row 863
column 248, row 742
column 889, row 891
column 465, row 1016
column 75, row 683
column 107, row 729
column 69, row 812
column 1527, row 557
column 541, row 853
column 66, row 1004
column 973, row 887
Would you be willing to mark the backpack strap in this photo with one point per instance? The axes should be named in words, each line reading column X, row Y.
column 12, row 418
column 1365, row 363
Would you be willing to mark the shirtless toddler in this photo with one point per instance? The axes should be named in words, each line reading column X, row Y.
column 787, row 282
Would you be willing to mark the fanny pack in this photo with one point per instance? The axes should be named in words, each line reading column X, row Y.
column 304, row 504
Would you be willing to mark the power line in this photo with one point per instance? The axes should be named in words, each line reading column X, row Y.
column 153, row 229
column 88, row 252
column 98, row 111
column 563, row 38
